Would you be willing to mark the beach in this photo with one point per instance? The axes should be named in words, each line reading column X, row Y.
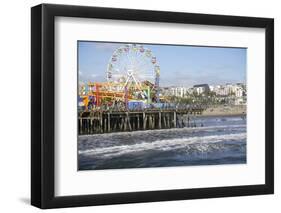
column 232, row 110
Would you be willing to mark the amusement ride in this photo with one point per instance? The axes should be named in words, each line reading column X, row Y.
column 132, row 77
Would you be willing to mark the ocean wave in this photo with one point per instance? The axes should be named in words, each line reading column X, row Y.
column 203, row 144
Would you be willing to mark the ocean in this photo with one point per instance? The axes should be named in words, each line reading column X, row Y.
column 214, row 141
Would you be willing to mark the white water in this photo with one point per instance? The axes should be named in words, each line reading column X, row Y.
column 164, row 145
column 222, row 140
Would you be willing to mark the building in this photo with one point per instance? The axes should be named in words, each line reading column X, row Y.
column 239, row 92
column 179, row 91
column 211, row 87
column 234, row 90
column 201, row 88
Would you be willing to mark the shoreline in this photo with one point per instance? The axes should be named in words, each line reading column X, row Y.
column 225, row 111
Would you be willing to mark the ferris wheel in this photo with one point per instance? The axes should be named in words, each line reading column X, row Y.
column 131, row 65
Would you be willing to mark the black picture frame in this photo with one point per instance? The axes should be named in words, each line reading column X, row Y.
column 43, row 101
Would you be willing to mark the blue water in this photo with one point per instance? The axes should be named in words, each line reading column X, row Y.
column 214, row 141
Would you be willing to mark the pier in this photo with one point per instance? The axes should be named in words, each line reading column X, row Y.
column 105, row 121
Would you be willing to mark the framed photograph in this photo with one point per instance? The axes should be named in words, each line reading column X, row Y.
column 139, row 106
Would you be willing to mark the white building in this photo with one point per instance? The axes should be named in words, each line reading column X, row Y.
column 174, row 91
column 211, row 87
column 236, row 90
column 239, row 92
column 179, row 91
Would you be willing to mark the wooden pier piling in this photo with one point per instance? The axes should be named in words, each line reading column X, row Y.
column 98, row 122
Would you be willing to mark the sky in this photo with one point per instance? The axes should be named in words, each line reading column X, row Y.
column 180, row 65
